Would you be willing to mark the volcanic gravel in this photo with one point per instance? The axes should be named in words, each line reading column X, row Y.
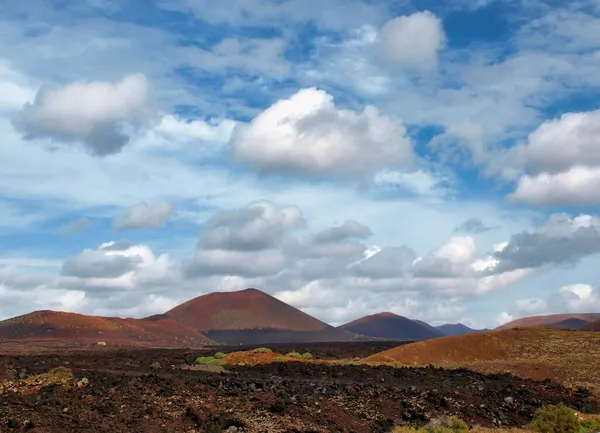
column 124, row 393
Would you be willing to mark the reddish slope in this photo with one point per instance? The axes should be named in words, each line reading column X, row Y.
column 592, row 327
column 549, row 320
column 391, row 326
column 251, row 316
column 536, row 352
column 48, row 326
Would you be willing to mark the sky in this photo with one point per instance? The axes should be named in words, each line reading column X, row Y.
column 436, row 159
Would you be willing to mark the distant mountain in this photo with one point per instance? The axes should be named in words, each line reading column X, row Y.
column 553, row 320
column 452, row 330
column 46, row 326
column 391, row 326
column 252, row 317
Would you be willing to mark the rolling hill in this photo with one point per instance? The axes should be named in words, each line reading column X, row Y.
column 592, row 327
column 45, row 326
column 252, row 317
column 391, row 326
column 535, row 352
column 553, row 320
column 452, row 330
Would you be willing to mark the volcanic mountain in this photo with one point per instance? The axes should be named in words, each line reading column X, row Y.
column 252, row 317
column 536, row 351
column 46, row 326
column 457, row 329
column 561, row 321
column 391, row 326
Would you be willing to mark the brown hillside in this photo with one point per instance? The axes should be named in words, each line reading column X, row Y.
column 392, row 326
column 571, row 358
column 592, row 327
column 48, row 326
column 549, row 320
column 251, row 316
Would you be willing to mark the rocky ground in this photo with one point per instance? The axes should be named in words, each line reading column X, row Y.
column 154, row 391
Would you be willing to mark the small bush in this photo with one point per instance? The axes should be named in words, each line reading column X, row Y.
column 294, row 355
column 588, row 425
column 307, row 355
column 279, row 359
column 354, row 362
column 219, row 355
column 263, row 350
column 155, row 365
column 451, row 424
column 336, row 362
column 555, row 419
column 208, row 360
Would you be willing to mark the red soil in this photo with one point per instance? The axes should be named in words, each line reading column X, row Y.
column 592, row 327
column 390, row 325
column 535, row 352
column 548, row 320
column 244, row 310
column 62, row 326
column 250, row 357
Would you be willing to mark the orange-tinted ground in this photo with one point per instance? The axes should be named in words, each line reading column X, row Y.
column 569, row 357
column 549, row 320
column 47, row 326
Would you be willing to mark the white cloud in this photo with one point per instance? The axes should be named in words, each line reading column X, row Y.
column 90, row 112
column 576, row 186
column 307, row 133
column 560, row 144
column 144, row 215
column 15, row 89
column 420, row 182
column 413, row 41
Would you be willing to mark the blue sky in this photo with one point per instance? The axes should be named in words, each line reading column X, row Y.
column 435, row 159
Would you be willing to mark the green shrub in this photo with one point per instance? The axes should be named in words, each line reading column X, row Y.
column 294, row 355
column 555, row 419
column 451, row 424
column 208, row 360
column 590, row 425
column 307, row 355
column 336, row 362
column 354, row 362
column 219, row 355
column 279, row 359
column 263, row 350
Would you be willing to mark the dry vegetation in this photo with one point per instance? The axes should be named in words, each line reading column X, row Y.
column 569, row 357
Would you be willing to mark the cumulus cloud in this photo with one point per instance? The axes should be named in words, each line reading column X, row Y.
column 92, row 113
column 562, row 240
column 350, row 229
column 473, row 225
column 572, row 298
column 144, row 215
column 562, row 159
column 245, row 242
column 99, row 264
column 308, row 134
column 413, row 41
column 576, row 186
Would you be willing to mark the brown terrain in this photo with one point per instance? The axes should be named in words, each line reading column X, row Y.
column 73, row 329
column 568, row 357
column 162, row 391
column 251, row 316
column 391, row 326
column 568, row 321
column 592, row 327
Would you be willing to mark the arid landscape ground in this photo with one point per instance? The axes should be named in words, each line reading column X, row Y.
column 246, row 362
